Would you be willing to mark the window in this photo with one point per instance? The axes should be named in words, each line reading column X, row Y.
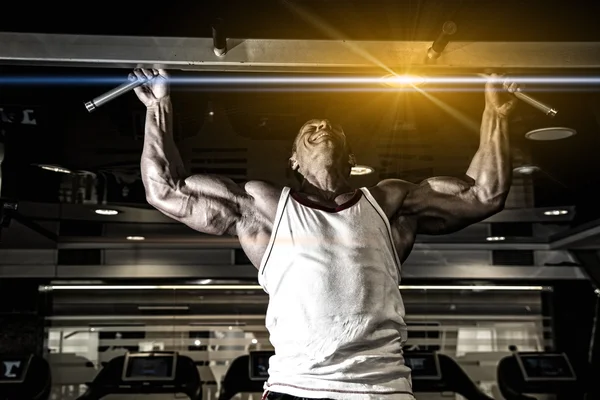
column 473, row 340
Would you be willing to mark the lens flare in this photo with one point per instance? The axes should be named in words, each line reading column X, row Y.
column 403, row 81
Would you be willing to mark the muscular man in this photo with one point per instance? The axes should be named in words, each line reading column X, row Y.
column 328, row 256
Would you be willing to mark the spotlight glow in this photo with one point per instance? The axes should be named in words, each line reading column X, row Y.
column 403, row 81
column 526, row 169
column 556, row 212
column 361, row 170
column 106, row 212
column 138, row 238
column 54, row 168
column 495, row 238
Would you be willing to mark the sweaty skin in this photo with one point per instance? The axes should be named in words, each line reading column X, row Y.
column 216, row 205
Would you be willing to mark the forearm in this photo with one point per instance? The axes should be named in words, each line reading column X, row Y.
column 162, row 167
column 491, row 168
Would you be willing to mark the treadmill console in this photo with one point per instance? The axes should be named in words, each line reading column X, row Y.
column 545, row 367
column 424, row 366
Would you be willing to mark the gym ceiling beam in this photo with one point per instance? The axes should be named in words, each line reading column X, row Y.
column 292, row 56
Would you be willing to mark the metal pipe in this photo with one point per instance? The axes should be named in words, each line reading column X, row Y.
column 219, row 38
column 448, row 29
column 548, row 110
column 113, row 94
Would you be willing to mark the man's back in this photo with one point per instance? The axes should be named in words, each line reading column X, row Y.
column 335, row 313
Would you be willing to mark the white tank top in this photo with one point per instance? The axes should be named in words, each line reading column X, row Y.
column 335, row 315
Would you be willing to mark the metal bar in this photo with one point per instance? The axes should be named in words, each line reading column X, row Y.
column 572, row 238
column 228, row 243
column 50, row 212
column 590, row 263
column 261, row 55
column 34, row 226
column 248, row 272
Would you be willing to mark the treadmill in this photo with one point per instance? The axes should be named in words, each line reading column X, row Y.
column 431, row 372
column 533, row 373
column 146, row 373
column 437, row 373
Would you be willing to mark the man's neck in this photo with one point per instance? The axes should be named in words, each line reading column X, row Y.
column 326, row 186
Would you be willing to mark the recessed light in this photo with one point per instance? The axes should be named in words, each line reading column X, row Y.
column 254, row 341
column 553, row 133
column 106, row 212
column 197, row 342
column 54, row 168
column 526, row 169
column 135, row 238
column 495, row 238
column 556, row 212
column 361, row 170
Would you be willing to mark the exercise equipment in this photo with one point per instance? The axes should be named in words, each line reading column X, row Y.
column 114, row 93
column 542, row 373
column 132, row 84
column 433, row 372
column 146, row 373
column 246, row 374
column 24, row 377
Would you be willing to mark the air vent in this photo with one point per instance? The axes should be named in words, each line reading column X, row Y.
column 79, row 257
column 229, row 162
column 520, row 229
column 240, row 258
column 512, row 257
column 80, row 228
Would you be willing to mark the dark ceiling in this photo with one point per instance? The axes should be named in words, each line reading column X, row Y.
column 486, row 20
column 108, row 142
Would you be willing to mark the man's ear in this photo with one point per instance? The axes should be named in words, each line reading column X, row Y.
column 352, row 160
column 293, row 162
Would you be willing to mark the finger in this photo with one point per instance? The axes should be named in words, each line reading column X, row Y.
column 139, row 74
column 132, row 77
column 513, row 87
column 163, row 73
column 148, row 73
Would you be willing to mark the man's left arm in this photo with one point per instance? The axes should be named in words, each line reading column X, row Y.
column 445, row 204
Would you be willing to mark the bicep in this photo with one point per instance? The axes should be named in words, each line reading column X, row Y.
column 445, row 204
column 206, row 203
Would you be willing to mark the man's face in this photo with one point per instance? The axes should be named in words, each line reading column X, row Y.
column 321, row 142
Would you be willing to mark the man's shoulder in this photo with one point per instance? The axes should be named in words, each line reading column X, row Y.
column 390, row 194
column 263, row 192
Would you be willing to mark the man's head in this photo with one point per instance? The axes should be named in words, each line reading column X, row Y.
column 321, row 147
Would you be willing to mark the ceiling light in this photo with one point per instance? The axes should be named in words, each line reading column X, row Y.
column 106, row 212
column 258, row 287
column 526, row 169
column 54, row 168
column 254, row 341
column 361, row 170
column 556, row 212
column 495, row 238
column 553, row 133
column 135, row 238
column 402, row 81
column 197, row 342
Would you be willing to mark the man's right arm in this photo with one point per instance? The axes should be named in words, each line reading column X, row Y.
column 210, row 204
